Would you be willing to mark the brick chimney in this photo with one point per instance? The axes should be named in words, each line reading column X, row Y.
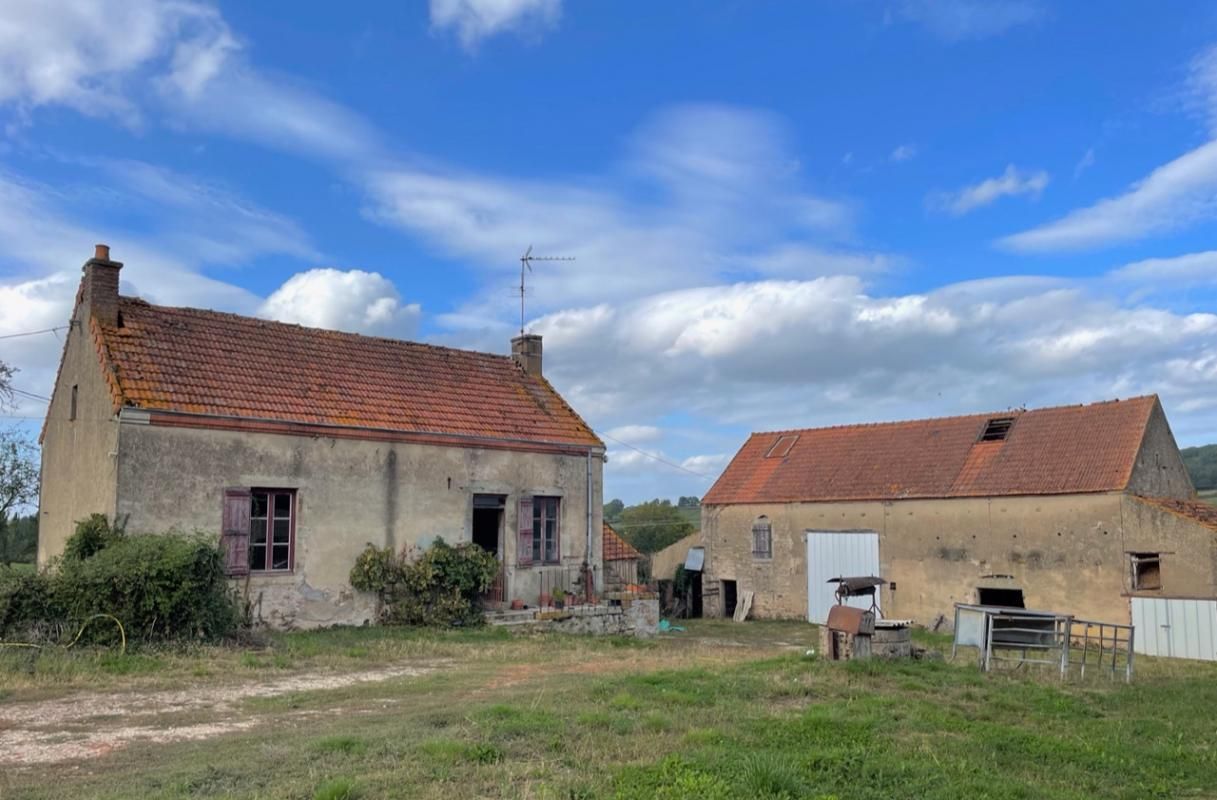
column 99, row 287
column 526, row 352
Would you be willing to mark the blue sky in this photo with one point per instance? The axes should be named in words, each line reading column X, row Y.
column 783, row 214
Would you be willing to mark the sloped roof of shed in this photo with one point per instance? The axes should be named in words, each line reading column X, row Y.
column 212, row 363
column 615, row 548
column 1061, row 450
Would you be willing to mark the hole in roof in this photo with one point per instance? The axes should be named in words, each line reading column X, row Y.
column 781, row 448
column 997, row 429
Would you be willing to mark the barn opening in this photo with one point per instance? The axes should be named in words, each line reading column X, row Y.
column 729, row 598
column 488, row 521
column 1009, row 598
column 1146, row 571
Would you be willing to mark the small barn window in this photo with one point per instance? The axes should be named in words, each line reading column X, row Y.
column 781, row 448
column 997, row 429
column 762, row 538
column 72, row 407
column 1146, row 569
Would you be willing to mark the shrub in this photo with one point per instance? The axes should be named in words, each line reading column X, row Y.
column 161, row 586
column 439, row 587
column 92, row 535
column 28, row 609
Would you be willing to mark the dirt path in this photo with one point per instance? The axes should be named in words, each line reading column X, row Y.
column 88, row 725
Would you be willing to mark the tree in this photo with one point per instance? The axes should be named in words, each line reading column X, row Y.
column 1202, row 465
column 6, row 386
column 19, row 540
column 689, row 502
column 18, row 476
column 612, row 511
column 653, row 525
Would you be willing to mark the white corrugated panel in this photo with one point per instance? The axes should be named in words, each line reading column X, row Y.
column 1175, row 627
column 837, row 554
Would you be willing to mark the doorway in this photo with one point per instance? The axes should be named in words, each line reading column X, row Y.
column 488, row 522
column 729, row 598
column 1007, row 598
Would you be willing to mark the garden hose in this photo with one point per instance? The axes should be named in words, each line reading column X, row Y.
column 122, row 650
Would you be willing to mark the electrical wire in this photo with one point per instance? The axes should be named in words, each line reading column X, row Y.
column 657, row 458
column 34, row 333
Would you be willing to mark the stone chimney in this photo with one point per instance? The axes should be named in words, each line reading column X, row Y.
column 99, row 287
column 526, row 352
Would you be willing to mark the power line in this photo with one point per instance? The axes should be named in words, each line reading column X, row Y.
column 28, row 395
column 657, row 458
column 34, row 333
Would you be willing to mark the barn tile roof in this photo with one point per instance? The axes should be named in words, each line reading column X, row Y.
column 1062, row 450
column 213, row 363
column 1195, row 510
column 615, row 548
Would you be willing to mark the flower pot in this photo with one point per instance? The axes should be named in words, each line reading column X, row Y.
column 517, row 604
column 559, row 604
column 544, row 600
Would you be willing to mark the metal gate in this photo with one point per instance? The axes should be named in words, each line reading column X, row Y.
column 1175, row 627
column 835, row 554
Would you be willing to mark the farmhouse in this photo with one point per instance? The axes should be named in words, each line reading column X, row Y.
column 300, row 446
column 1082, row 509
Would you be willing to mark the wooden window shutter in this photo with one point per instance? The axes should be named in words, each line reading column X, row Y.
column 234, row 541
column 524, row 535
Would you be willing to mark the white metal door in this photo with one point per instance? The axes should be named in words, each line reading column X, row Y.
column 838, row 554
column 1175, row 627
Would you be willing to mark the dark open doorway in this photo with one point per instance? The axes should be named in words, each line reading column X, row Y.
column 1010, row 598
column 488, row 521
column 695, row 595
column 729, row 597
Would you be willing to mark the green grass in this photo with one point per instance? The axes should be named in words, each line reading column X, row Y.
column 1208, row 496
column 687, row 716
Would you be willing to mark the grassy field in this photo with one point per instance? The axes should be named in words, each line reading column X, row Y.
column 722, row 710
column 1209, row 496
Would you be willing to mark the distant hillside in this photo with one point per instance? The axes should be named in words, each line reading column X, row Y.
column 1202, row 466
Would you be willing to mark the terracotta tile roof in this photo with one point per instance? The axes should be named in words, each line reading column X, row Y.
column 1063, row 450
column 1195, row 510
column 208, row 362
column 615, row 548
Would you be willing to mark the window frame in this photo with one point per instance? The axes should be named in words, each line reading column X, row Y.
column 293, row 511
column 541, row 504
column 762, row 524
column 1135, row 562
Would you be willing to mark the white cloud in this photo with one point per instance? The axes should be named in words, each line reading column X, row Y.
column 475, row 20
column 961, row 20
column 82, row 53
column 1084, row 163
column 351, row 300
column 1200, row 92
column 1192, row 269
column 1172, row 197
column 635, row 434
column 1011, row 183
column 705, row 191
column 116, row 58
column 773, row 354
column 903, row 153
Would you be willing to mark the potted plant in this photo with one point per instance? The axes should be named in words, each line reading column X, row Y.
column 544, row 600
column 559, row 598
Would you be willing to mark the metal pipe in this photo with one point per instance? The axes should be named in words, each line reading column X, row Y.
column 587, row 554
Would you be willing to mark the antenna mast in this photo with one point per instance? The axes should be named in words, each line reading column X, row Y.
column 526, row 264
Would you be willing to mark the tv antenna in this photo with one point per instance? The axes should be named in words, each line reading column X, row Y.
column 526, row 264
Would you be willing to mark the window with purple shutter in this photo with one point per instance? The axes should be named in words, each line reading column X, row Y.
column 235, row 531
